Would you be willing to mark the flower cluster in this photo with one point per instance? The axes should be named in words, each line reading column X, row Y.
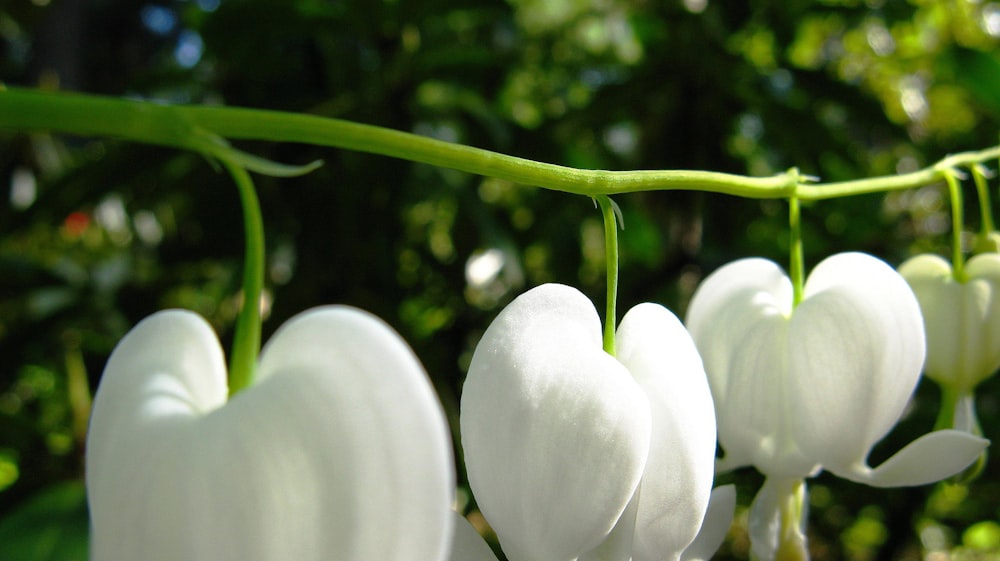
column 340, row 449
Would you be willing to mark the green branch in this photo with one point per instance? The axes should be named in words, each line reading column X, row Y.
column 176, row 126
column 188, row 126
column 919, row 178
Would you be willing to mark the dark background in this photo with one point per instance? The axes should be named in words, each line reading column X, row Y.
column 96, row 234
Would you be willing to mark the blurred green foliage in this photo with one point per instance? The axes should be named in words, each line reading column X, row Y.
column 96, row 234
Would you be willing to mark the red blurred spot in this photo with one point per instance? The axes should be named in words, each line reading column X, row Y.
column 76, row 223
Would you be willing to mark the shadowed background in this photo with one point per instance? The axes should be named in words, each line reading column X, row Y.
column 96, row 234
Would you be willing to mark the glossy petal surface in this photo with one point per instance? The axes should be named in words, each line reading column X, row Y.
column 777, row 521
column 931, row 457
column 856, row 347
column 739, row 319
column 674, row 492
column 962, row 319
column 339, row 451
column 555, row 431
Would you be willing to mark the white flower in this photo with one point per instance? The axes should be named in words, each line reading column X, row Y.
column 816, row 387
column 338, row 451
column 962, row 318
column 572, row 453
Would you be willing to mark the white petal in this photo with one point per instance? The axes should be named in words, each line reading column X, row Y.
column 555, row 430
column 467, row 544
column 932, row 457
column 962, row 319
column 856, row 351
column 739, row 319
column 777, row 520
column 762, row 288
column 382, row 426
column 718, row 519
column 965, row 418
column 675, row 488
column 165, row 372
column 984, row 305
column 618, row 545
column 341, row 444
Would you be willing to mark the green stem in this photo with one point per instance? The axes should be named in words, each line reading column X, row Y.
column 957, row 412
column 919, row 178
column 952, row 399
column 187, row 127
column 946, row 413
column 985, row 207
column 957, row 222
column 176, row 126
column 77, row 387
column 610, row 216
column 246, row 339
column 796, row 260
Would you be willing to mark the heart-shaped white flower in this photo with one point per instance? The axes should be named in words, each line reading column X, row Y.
column 339, row 451
column 565, row 443
column 962, row 319
column 817, row 387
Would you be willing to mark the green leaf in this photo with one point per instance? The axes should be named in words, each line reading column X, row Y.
column 51, row 526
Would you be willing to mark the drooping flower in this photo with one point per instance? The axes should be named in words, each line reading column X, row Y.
column 962, row 319
column 339, row 450
column 574, row 453
column 815, row 387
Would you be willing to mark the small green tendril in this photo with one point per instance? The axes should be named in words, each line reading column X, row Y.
column 612, row 221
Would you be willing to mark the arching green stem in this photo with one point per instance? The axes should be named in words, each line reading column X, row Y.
column 176, row 126
column 957, row 222
column 246, row 339
column 796, row 259
column 611, row 215
column 911, row 180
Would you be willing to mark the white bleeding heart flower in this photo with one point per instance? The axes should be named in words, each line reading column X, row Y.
column 962, row 319
column 818, row 386
column 339, row 450
column 573, row 453
column 815, row 387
